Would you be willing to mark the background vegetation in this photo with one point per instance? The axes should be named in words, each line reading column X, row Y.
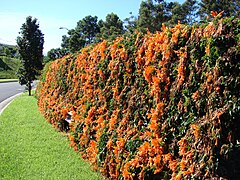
column 157, row 105
column 152, row 14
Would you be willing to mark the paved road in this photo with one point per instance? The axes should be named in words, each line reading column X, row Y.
column 9, row 89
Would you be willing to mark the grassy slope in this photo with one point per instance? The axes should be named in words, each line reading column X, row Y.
column 8, row 67
column 31, row 149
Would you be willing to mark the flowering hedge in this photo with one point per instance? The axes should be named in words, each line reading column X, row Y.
column 163, row 105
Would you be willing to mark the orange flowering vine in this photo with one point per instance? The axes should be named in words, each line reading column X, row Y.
column 148, row 105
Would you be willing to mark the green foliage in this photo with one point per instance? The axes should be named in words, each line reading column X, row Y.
column 230, row 8
column 130, row 23
column 148, row 16
column 152, row 14
column 30, row 45
column 57, row 53
column 76, row 41
column 189, row 8
column 9, row 64
column 185, row 13
column 8, row 50
column 111, row 28
column 3, row 65
column 90, row 30
column 84, row 33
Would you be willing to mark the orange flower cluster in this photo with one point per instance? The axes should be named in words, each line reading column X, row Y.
column 136, row 101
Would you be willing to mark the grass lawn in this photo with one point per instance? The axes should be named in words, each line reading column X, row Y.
column 30, row 148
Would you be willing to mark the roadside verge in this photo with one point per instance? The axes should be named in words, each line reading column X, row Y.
column 7, row 101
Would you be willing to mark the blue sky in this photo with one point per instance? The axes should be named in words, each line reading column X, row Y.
column 52, row 14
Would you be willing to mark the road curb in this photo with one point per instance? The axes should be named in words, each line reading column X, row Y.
column 6, row 102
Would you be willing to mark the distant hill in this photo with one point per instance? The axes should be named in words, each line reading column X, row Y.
column 2, row 46
column 3, row 66
column 9, row 61
column 6, row 45
column 9, row 67
column 8, row 50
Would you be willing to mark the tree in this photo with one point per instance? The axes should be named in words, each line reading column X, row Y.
column 30, row 45
column 56, row 53
column 189, row 7
column 145, row 19
column 130, row 23
column 65, row 42
column 84, row 33
column 111, row 28
column 8, row 50
column 74, row 42
column 88, row 27
column 185, row 13
column 230, row 8
column 160, row 13
column 151, row 15
column 175, row 11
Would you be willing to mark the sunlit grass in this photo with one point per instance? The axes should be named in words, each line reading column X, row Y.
column 31, row 149
column 8, row 80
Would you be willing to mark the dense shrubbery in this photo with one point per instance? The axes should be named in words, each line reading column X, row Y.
column 163, row 105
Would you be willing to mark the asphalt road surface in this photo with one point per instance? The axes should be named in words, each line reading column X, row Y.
column 9, row 89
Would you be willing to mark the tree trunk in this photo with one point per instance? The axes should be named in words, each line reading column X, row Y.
column 29, row 88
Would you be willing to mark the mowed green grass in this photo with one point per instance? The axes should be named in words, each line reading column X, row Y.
column 30, row 148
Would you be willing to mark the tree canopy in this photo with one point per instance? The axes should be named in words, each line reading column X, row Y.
column 229, row 8
column 111, row 28
column 56, row 53
column 152, row 14
column 89, row 30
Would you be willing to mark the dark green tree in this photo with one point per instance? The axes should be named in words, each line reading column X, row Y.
column 175, row 12
column 56, row 53
column 151, row 15
column 65, row 42
column 161, row 13
column 230, row 8
column 185, row 13
column 130, row 23
column 146, row 16
column 190, row 7
column 74, row 42
column 88, row 28
column 84, row 33
column 30, row 45
column 111, row 28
